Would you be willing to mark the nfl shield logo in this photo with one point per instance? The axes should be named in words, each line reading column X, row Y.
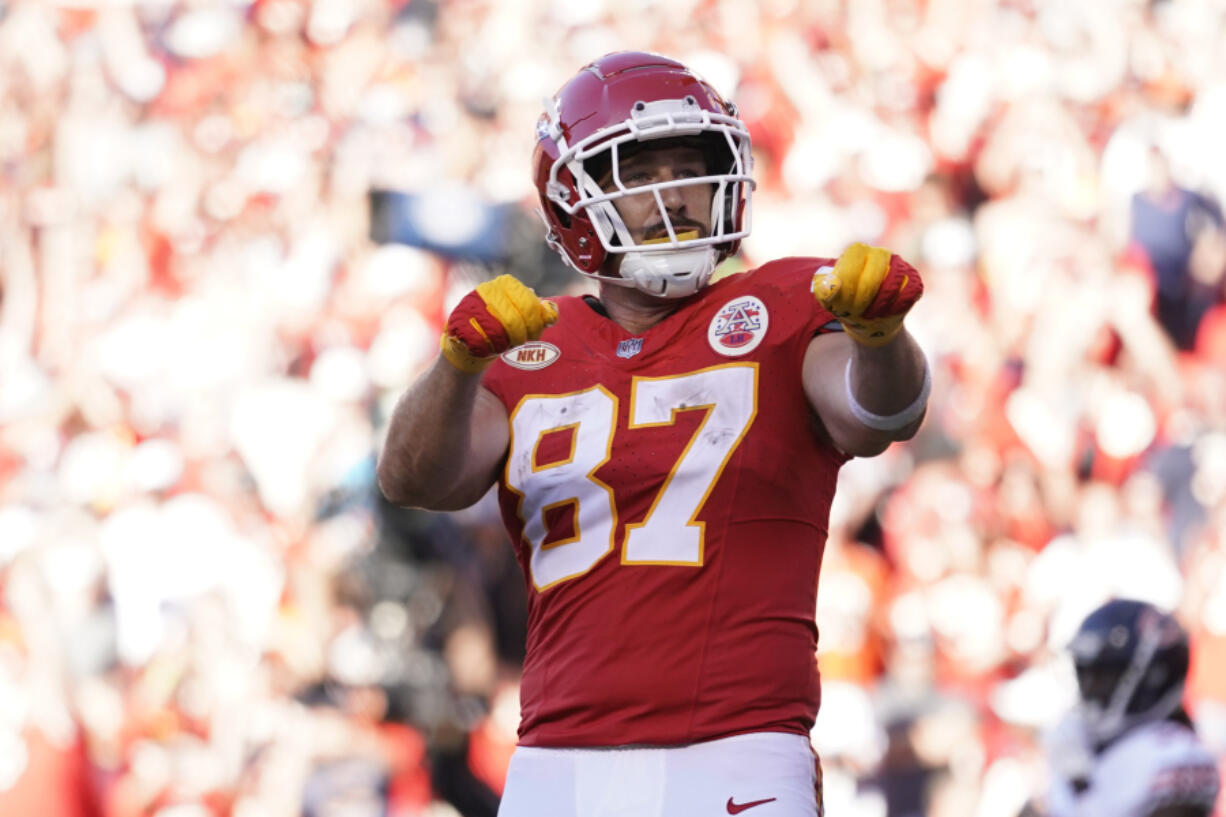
column 629, row 348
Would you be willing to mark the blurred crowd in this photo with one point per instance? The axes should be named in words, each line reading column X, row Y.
column 229, row 232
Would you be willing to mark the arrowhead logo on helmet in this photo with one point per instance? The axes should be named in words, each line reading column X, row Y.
column 607, row 111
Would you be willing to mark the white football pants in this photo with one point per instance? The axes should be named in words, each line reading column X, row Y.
column 764, row 774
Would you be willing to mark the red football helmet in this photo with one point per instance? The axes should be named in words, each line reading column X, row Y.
column 600, row 115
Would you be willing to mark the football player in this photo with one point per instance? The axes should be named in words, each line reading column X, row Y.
column 1129, row 749
column 665, row 454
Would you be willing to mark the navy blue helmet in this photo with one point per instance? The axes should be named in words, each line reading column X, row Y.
column 1131, row 660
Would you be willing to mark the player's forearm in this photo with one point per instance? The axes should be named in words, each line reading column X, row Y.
column 869, row 386
column 429, row 437
column 886, row 392
column 887, row 379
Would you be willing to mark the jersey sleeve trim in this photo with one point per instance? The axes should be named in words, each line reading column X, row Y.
column 1195, row 785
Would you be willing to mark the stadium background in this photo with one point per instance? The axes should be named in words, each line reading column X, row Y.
column 229, row 232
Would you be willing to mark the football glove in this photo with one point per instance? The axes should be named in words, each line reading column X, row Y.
column 496, row 316
column 869, row 290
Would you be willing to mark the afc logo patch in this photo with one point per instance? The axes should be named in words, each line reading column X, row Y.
column 739, row 326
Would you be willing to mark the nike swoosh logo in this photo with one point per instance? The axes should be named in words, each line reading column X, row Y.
column 737, row 808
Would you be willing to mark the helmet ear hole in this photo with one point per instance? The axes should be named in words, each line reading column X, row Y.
column 562, row 217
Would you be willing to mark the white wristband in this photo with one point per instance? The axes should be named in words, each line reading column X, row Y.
column 889, row 422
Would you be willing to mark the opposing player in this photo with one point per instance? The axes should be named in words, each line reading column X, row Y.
column 665, row 455
column 1129, row 749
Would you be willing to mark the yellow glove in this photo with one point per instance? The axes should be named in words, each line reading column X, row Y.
column 869, row 290
column 496, row 316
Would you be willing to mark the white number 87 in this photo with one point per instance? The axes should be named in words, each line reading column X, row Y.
column 669, row 534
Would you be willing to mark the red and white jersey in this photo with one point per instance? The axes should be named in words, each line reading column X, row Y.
column 1150, row 766
column 669, row 500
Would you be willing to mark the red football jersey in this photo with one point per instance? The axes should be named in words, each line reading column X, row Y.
column 669, row 501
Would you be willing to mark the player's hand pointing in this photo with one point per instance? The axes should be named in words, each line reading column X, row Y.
column 870, row 290
column 496, row 316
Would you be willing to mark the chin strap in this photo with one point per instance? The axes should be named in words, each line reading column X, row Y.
column 674, row 274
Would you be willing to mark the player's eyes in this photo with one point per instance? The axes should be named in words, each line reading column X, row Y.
column 639, row 177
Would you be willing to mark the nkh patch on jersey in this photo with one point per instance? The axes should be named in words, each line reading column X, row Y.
column 535, row 354
column 739, row 326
